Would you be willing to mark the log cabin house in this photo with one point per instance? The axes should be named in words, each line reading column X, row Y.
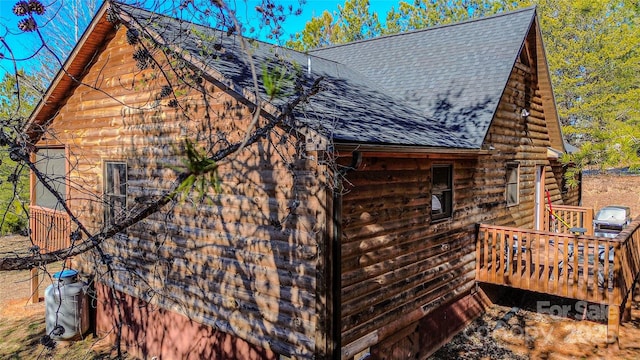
column 353, row 230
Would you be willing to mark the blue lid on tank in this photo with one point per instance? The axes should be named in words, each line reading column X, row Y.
column 65, row 274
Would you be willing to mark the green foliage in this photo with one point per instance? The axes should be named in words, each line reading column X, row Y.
column 275, row 80
column 355, row 20
column 592, row 47
column 18, row 95
column 203, row 172
column 420, row 14
column 351, row 22
column 593, row 51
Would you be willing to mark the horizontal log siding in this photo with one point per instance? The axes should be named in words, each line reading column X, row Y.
column 570, row 195
column 523, row 140
column 395, row 261
column 243, row 260
column 397, row 266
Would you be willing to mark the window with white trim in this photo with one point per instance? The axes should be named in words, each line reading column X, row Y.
column 441, row 191
column 115, row 191
column 512, row 190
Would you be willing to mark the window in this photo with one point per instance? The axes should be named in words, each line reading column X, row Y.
column 512, row 190
column 115, row 191
column 52, row 164
column 441, row 192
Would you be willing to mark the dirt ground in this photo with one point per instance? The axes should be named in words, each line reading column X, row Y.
column 511, row 329
column 514, row 329
column 603, row 190
column 22, row 325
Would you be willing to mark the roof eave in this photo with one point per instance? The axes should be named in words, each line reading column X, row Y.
column 548, row 97
column 66, row 78
column 392, row 150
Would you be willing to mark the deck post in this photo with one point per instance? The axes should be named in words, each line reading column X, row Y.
column 626, row 315
column 34, row 297
column 613, row 324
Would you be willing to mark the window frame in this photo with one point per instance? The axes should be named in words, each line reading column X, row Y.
column 59, row 180
column 109, row 198
column 509, row 185
column 443, row 194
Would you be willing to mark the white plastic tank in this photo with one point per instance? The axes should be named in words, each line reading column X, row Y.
column 66, row 306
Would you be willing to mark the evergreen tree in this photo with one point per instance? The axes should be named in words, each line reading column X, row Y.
column 593, row 50
column 18, row 95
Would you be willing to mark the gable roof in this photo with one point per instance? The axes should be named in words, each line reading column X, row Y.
column 350, row 106
column 454, row 73
column 436, row 88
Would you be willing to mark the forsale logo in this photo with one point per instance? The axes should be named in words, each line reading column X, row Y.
column 580, row 310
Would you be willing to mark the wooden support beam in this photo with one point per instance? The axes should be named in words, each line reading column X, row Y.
column 613, row 325
column 34, row 296
column 626, row 314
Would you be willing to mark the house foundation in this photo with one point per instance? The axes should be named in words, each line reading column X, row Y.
column 149, row 331
column 424, row 337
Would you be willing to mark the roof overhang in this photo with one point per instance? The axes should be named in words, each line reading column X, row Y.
column 553, row 154
column 346, row 149
column 546, row 89
column 67, row 77
column 84, row 53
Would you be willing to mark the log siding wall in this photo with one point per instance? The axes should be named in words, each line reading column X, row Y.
column 397, row 265
column 243, row 260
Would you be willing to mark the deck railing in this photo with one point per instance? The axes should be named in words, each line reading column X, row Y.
column 565, row 218
column 50, row 229
column 594, row 269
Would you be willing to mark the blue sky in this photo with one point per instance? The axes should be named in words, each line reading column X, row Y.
column 24, row 45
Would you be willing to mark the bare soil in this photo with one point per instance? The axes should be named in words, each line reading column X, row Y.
column 22, row 324
column 602, row 190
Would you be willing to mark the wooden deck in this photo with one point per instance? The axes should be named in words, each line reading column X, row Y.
column 582, row 267
column 51, row 229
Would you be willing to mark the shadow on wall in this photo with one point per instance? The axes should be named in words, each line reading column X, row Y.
column 155, row 332
column 240, row 259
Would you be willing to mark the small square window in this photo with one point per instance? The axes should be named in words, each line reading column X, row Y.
column 115, row 191
column 512, row 184
column 441, row 192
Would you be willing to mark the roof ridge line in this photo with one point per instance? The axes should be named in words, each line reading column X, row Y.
column 250, row 39
column 435, row 27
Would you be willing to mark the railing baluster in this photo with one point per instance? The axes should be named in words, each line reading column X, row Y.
column 494, row 257
column 574, row 285
column 536, row 270
column 596, row 275
column 556, row 277
column 545, row 268
column 50, row 229
column 486, row 252
column 511, row 257
column 585, row 267
column 478, row 252
column 526, row 243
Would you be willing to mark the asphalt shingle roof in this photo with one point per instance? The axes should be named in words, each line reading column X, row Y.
column 437, row 87
column 454, row 73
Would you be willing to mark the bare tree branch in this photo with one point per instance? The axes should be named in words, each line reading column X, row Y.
column 30, row 261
